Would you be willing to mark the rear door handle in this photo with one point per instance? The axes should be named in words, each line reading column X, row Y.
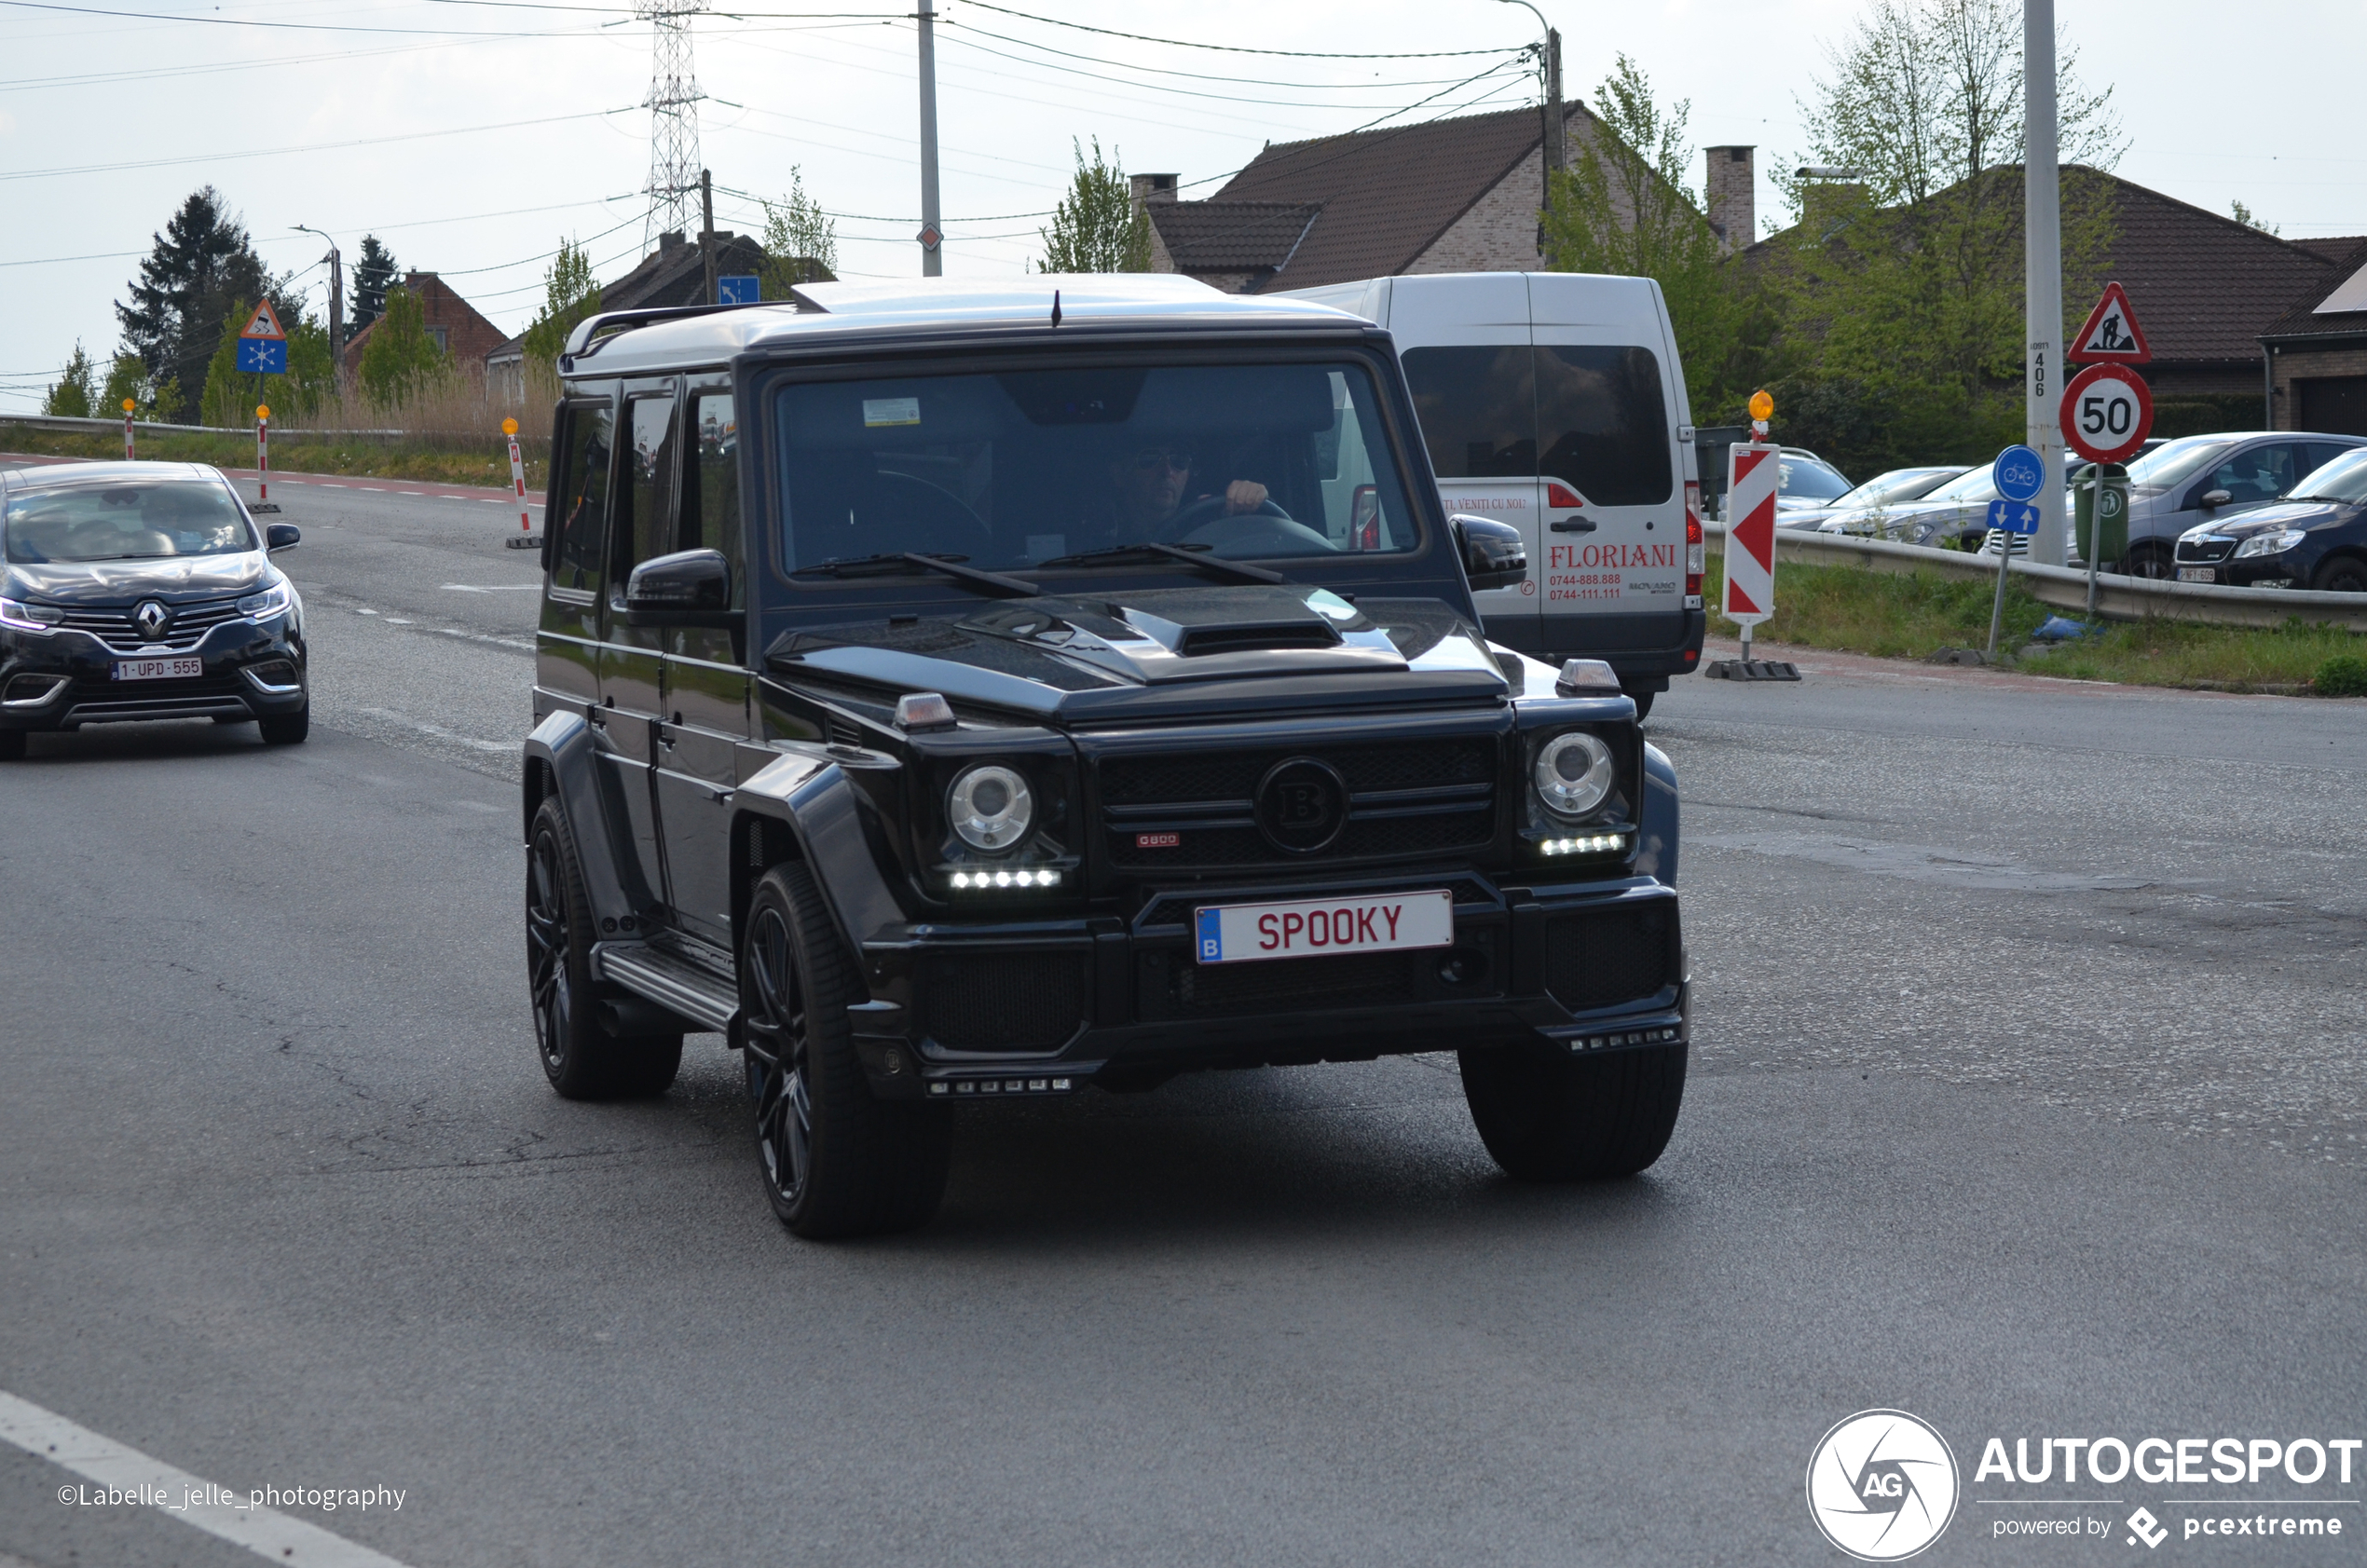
column 1573, row 526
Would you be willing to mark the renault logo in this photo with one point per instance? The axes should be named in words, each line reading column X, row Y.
column 152, row 618
column 1301, row 805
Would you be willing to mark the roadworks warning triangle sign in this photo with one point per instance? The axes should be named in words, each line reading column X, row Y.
column 264, row 322
column 2111, row 332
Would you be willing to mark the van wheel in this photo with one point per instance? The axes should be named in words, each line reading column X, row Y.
column 836, row 1161
column 580, row 1057
column 1547, row 1118
column 1643, row 705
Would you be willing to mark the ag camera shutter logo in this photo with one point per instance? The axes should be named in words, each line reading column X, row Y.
column 1882, row 1485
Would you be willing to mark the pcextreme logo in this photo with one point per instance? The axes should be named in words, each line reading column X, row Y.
column 1882, row 1485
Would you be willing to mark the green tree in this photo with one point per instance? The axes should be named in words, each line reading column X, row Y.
column 2244, row 217
column 1097, row 228
column 801, row 242
column 75, row 390
column 1622, row 207
column 153, row 401
column 569, row 294
column 400, row 361
column 373, row 274
column 231, row 394
column 200, row 264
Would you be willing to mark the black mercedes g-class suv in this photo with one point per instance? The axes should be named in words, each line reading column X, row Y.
column 952, row 693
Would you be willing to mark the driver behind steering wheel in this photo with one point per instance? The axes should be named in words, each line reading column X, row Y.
column 1150, row 487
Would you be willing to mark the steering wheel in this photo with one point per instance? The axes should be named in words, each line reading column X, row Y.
column 1208, row 509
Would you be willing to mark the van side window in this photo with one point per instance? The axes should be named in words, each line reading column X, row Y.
column 645, row 523
column 1605, row 423
column 1477, row 407
column 583, row 497
column 711, row 505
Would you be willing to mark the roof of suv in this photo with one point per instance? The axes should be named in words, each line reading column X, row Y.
column 55, row 475
column 827, row 313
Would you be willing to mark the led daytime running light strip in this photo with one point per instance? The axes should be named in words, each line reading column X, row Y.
column 971, row 881
column 1590, row 843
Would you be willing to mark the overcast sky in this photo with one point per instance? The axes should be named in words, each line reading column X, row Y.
column 469, row 135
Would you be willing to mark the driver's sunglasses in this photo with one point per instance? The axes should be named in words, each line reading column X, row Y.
column 1153, row 458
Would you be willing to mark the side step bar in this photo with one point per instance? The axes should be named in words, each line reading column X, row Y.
column 673, row 982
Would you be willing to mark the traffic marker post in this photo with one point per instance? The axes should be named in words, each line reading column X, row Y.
column 1754, row 473
column 2021, row 473
column 127, row 406
column 525, row 539
column 263, row 458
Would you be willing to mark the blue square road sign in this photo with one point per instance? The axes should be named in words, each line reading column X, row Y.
column 738, row 291
column 2015, row 517
column 264, row 355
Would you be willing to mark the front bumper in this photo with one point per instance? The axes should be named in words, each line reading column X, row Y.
column 1037, row 1007
column 65, row 679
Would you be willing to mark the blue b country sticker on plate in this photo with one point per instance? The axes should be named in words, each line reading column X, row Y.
column 1212, row 937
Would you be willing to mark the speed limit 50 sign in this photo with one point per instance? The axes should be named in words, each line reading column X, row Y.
column 2107, row 413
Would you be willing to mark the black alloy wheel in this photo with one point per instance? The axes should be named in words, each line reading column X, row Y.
column 836, row 1161
column 2344, row 574
column 2148, row 561
column 580, row 1057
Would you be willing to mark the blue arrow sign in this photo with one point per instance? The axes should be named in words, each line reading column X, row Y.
column 738, row 291
column 267, row 355
column 2015, row 517
column 2021, row 473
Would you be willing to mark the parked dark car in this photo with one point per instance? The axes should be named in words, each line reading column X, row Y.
column 954, row 693
column 2316, row 537
column 144, row 590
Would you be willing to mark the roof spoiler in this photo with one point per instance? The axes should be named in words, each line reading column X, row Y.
column 593, row 330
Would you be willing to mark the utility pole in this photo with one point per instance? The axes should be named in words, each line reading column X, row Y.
column 2044, row 266
column 706, row 234
column 1556, row 157
column 336, row 259
column 932, row 234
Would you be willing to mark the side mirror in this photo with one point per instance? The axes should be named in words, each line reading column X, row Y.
column 688, row 588
column 1494, row 553
column 2216, row 498
column 283, row 536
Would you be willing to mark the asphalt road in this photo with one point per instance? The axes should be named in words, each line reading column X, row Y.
column 2027, row 1098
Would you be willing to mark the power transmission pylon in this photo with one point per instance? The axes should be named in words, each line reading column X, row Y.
column 673, row 120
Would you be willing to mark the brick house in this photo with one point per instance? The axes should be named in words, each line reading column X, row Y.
column 457, row 329
column 2317, row 351
column 1444, row 195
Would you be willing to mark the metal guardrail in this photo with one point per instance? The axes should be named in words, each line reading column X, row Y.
column 71, row 425
column 2117, row 598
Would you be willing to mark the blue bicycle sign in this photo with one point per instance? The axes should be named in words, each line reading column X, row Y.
column 2020, row 472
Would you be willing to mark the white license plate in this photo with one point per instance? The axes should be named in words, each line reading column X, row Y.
column 159, row 669
column 1312, row 927
column 2198, row 574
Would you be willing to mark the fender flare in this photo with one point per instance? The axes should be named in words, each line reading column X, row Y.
column 562, row 752
column 828, row 817
column 1656, row 837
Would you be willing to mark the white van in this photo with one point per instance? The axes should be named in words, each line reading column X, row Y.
column 1554, row 401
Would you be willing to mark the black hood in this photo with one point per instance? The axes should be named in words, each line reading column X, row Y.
column 175, row 580
column 1143, row 654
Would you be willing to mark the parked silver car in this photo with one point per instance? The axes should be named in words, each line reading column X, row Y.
column 1955, row 509
column 1888, row 489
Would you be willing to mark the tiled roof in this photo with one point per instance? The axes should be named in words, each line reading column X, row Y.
column 2303, row 322
column 2333, row 247
column 1386, row 194
column 1222, row 236
column 674, row 274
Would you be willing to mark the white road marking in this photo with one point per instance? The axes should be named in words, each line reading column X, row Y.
column 492, row 587
column 396, row 621
column 440, row 733
column 362, row 611
column 47, row 1434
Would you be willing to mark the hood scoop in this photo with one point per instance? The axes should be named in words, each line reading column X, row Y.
column 1194, row 642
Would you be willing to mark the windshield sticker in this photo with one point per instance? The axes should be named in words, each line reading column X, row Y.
column 878, row 412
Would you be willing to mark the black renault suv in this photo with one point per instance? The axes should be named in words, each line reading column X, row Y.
column 142, row 590
column 954, row 694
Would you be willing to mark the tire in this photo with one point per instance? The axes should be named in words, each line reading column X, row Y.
column 285, row 730
column 2341, row 575
column 1643, row 705
column 2148, row 561
column 1574, row 1118
column 12, row 745
column 580, row 1057
column 836, row 1161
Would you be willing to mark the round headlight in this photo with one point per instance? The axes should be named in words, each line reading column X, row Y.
column 989, row 808
column 1573, row 773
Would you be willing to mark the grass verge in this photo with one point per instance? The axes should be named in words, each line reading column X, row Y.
column 439, row 461
column 1850, row 610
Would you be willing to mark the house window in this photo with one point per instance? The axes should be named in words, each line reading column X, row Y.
column 442, row 336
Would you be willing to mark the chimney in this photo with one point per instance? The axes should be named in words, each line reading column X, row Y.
column 668, row 243
column 1153, row 188
column 1734, row 197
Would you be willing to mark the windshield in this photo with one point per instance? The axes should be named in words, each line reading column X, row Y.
column 1973, row 484
column 2176, row 462
column 1807, row 479
column 127, row 522
column 2344, row 479
column 1008, row 471
column 1899, row 484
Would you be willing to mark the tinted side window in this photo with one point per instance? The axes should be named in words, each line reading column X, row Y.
column 583, row 497
column 1478, row 410
column 645, row 522
column 1605, row 423
column 711, row 505
column 2257, row 474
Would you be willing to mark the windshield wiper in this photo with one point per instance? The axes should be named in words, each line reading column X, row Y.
column 950, row 565
column 1240, row 570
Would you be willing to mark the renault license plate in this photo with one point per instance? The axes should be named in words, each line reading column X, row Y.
column 1313, row 927
column 159, row 669
column 2198, row 574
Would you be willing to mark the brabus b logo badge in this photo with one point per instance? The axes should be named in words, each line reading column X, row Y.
column 1301, row 805
column 1882, row 1485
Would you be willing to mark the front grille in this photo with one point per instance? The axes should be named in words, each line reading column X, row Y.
column 190, row 624
column 1605, row 956
column 1002, row 1001
column 2205, row 550
column 1183, row 988
column 1198, row 807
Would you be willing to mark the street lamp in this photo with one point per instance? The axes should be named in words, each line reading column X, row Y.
column 1550, row 151
column 337, row 301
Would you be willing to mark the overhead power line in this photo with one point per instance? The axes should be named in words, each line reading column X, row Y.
column 289, row 26
column 316, row 148
column 1167, row 71
column 1228, row 49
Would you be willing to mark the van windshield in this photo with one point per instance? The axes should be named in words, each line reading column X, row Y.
column 1024, row 467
